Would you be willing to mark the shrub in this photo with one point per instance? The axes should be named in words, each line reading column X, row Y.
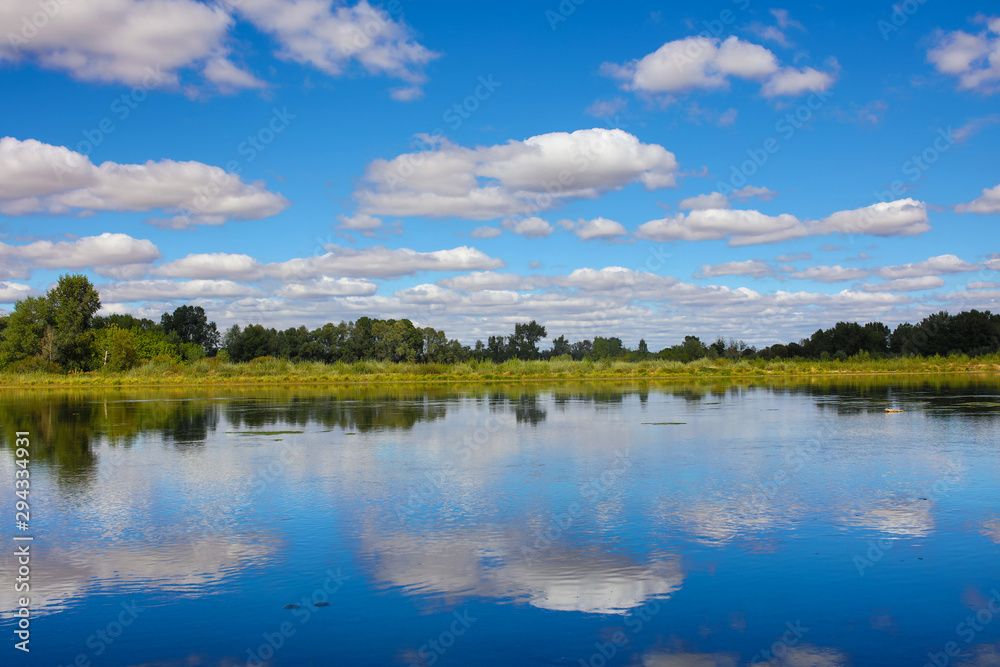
column 34, row 365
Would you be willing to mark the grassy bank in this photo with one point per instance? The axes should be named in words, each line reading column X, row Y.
column 207, row 372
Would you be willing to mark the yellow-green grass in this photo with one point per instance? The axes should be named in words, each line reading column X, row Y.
column 283, row 372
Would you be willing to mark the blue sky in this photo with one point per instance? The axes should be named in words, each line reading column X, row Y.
column 725, row 168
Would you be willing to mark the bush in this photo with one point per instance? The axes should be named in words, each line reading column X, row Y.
column 192, row 351
column 34, row 365
column 163, row 358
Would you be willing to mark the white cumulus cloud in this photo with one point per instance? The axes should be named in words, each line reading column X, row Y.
column 711, row 200
column 212, row 265
column 532, row 227
column 742, row 227
column 152, row 43
column 931, row 266
column 325, row 286
column 973, row 59
column 330, row 36
column 754, row 268
column 519, row 177
column 135, row 42
column 104, row 253
column 381, row 262
column 708, row 63
column 166, row 290
column 905, row 284
column 988, row 202
column 487, row 280
column 41, row 178
column 830, row 274
column 903, row 217
column 11, row 292
column 597, row 228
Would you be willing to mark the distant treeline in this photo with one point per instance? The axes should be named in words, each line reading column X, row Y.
column 60, row 332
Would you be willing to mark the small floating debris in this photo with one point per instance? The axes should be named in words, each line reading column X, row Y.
column 892, row 410
column 664, row 423
column 321, row 604
column 263, row 432
column 291, row 606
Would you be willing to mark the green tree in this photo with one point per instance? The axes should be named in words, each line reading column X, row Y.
column 607, row 348
column 497, row 349
column 524, row 342
column 581, row 349
column 435, row 345
column 250, row 343
column 26, row 326
column 560, row 346
column 332, row 340
column 232, row 343
column 192, row 326
column 643, row 349
column 693, row 348
column 73, row 302
column 115, row 349
column 124, row 321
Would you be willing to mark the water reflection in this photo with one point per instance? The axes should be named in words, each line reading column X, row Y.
column 460, row 565
column 188, row 567
column 713, row 498
column 804, row 655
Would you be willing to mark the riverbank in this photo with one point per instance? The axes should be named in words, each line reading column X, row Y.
column 207, row 372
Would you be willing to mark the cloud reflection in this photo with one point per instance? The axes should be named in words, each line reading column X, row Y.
column 457, row 566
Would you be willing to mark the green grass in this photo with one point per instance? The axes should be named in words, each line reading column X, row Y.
column 209, row 372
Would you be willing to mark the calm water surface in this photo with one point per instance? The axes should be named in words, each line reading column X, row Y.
column 571, row 525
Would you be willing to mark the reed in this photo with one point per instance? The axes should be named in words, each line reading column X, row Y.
column 267, row 370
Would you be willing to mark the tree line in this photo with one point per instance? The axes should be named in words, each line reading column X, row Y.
column 61, row 331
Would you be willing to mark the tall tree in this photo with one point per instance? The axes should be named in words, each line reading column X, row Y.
column 22, row 338
column 607, row 348
column 496, row 349
column 191, row 325
column 524, row 342
column 560, row 346
column 73, row 302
